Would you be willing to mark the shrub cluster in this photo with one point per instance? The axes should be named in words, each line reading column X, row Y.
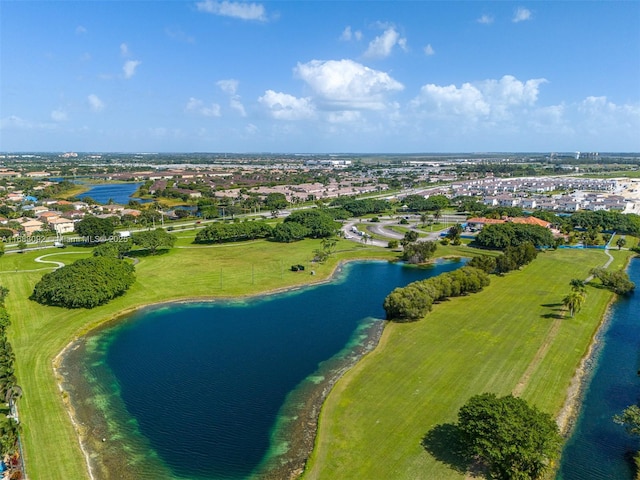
column 233, row 232
column 503, row 235
column 512, row 259
column 357, row 208
column 318, row 222
column 618, row 281
column 416, row 299
column 86, row 283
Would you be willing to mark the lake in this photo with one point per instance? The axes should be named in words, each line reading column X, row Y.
column 120, row 193
column 598, row 448
column 216, row 390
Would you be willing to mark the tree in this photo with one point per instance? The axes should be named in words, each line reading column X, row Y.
column 578, row 285
column 276, row 201
column 409, row 237
column 22, row 246
column 319, row 222
column 574, row 302
column 517, row 441
column 621, row 242
column 419, row 252
column 94, row 228
column 289, row 232
column 630, row 419
column 85, row 283
column 113, row 249
column 618, row 282
column 154, row 239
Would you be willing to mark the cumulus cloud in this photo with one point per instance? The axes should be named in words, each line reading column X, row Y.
column 240, row 10
column 348, row 35
column 59, row 115
column 382, row 45
column 129, row 68
column 347, row 85
column 283, row 106
column 521, row 15
column 428, row 50
column 494, row 99
column 196, row 105
column 95, row 103
column 485, row 19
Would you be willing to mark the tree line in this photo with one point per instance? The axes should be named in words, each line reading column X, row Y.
column 414, row 301
column 9, row 389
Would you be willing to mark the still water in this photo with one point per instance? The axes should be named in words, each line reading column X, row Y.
column 598, row 448
column 196, row 390
column 120, row 193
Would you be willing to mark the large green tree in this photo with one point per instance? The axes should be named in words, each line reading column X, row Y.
column 94, row 228
column 154, row 239
column 515, row 440
column 85, row 283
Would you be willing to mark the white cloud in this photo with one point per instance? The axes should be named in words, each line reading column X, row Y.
column 124, row 50
column 451, row 100
column 492, row 99
column 241, row 10
column 59, row 115
column 228, row 86
column 485, row 19
column 129, row 68
column 348, row 35
column 382, row 45
column 347, row 85
column 283, row 106
column 80, row 30
column 196, row 105
column 95, row 103
column 522, row 14
column 345, row 116
column 237, row 105
column 428, row 50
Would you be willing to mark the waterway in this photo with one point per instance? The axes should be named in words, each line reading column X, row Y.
column 220, row 390
column 598, row 448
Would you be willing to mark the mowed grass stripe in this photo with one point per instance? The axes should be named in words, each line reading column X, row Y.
column 374, row 421
column 39, row 333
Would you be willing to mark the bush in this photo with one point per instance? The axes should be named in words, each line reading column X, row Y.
column 86, row 283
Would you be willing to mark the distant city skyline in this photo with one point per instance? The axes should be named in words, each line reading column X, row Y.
column 319, row 77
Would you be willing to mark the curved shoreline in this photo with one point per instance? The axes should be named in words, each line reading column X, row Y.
column 314, row 406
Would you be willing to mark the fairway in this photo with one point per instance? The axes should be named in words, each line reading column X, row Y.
column 416, row 379
column 38, row 333
column 374, row 421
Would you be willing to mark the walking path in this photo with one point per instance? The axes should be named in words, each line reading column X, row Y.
column 40, row 260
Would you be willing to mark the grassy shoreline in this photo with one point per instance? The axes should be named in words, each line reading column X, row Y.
column 464, row 347
column 39, row 334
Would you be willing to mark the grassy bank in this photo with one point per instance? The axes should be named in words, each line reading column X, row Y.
column 510, row 337
column 39, row 333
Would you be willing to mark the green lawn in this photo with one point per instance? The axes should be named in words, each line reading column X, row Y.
column 39, row 333
column 382, row 408
column 374, row 420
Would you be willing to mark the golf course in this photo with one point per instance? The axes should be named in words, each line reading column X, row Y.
column 378, row 421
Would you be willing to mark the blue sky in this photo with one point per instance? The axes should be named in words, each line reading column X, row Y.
column 319, row 76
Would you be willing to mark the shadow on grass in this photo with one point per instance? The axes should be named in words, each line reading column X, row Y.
column 445, row 443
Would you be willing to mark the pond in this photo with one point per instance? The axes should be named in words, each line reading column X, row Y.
column 120, row 193
column 213, row 390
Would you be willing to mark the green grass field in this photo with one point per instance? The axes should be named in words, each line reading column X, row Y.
column 419, row 377
column 512, row 336
column 39, row 333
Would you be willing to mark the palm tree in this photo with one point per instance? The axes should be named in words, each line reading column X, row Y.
column 574, row 302
column 578, row 285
